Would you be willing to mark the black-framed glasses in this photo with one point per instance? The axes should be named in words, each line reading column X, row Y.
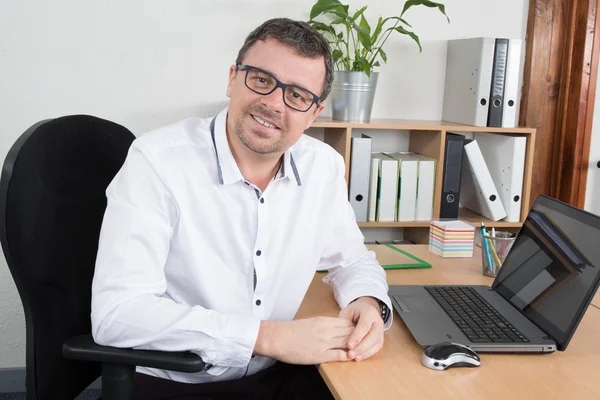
column 263, row 82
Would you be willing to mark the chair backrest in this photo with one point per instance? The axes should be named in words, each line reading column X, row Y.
column 52, row 201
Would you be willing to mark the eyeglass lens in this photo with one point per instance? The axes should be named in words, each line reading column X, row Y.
column 293, row 96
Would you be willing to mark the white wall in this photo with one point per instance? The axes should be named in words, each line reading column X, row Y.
column 148, row 63
column 592, row 191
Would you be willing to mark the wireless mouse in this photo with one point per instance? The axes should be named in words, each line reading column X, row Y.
column 446, row 355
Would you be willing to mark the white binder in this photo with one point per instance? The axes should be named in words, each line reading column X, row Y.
column 477, row 190
column 373, row 186
column 388, row 188
column 407, row 185
column 469, row 64
column 360, row 168
column 425, row 187
column 512, row 86
column 505, row 159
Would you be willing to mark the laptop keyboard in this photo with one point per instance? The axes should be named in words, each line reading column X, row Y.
column 474, row 316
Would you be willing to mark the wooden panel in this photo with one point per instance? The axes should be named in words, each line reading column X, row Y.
column 541, row 83
column 558, row 94
column 431, row 144
column 574, row 100
column 591, row 100
column 339, row 139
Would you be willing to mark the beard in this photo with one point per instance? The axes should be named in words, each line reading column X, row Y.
column 256, row 140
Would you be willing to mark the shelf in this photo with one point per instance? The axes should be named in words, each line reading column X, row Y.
column 476, row 219
column 417, row 125
column 426, row 137
column 463, row 215
column 405, row 224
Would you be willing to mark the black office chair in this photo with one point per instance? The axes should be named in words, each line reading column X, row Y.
column 52, row 200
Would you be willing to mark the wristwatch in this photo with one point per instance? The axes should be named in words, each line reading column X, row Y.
column 385, row 310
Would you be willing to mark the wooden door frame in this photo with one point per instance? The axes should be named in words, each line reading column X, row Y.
column 559, row 87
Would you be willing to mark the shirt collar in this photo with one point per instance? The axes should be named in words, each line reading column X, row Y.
column 228, row 171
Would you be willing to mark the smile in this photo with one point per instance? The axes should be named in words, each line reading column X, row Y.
column 263, row 122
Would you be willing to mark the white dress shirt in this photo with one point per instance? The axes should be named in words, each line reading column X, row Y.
column 192, row 256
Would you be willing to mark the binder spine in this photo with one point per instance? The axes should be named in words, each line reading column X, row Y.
column 512, row 87
column 451, row 180
column 360, row 170
column 498, row 81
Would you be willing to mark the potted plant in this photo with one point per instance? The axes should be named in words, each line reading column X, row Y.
column 357, row 49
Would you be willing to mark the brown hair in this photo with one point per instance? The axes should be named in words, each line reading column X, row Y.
column 299, row 35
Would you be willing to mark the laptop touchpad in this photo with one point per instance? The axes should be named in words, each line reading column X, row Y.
column 420, row 303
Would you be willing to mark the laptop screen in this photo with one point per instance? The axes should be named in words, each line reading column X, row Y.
column 553, row 269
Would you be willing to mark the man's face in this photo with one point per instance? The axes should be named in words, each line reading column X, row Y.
column 245, row 106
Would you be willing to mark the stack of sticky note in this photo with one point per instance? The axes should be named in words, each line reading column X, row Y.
column 451, row 238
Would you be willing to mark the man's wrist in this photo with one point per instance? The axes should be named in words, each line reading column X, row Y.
column 370, row 300
column 266, row 341
column 383, row 309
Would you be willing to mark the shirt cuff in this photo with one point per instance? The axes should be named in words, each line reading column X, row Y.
column 233, row 347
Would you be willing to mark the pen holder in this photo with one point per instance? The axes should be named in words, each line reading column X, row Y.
column 494, row 250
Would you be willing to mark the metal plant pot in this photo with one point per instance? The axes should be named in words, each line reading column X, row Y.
column 352, row 95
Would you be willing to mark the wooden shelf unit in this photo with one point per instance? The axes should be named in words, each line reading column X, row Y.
column 428, row 138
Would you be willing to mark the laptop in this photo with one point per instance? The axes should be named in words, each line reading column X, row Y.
column 538, row 298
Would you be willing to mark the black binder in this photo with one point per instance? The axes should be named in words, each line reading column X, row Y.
column 452, row 171
column 498, row 82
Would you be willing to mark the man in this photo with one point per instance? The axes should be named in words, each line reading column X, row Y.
column 214, row 229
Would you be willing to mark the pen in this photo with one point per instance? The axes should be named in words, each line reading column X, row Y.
column 486, row 247
column 495, row 250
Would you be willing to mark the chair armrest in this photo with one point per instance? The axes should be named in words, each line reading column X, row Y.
column 83, row 348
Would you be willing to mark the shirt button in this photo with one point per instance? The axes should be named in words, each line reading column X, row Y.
column 258, row 252
column 262, row 200
column 258, row 302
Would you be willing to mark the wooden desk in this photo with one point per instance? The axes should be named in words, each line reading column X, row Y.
column 396, row 371
column 596, row 300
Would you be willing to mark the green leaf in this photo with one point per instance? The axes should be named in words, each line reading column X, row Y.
column 365, row 24
column 397, row 18
column 383, row 55
column 325, row 6
column 378, row 29
column 359, row 13
column 336, row 54
column 364, row 34
column 339, row 21
column 411, row 34
column 377, row 64
column 364, row 66
column 426, row 3
column 322, row 27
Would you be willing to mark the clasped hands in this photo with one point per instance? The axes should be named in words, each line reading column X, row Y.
column 356, row 334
